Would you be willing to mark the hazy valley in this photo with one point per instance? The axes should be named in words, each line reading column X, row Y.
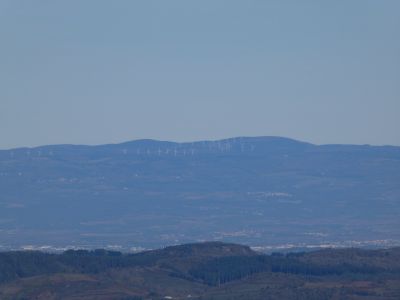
column 266, row 192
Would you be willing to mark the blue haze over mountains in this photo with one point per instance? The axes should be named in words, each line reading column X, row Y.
column 261, row 191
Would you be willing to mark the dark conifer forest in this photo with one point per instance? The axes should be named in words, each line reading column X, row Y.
column 210, row 270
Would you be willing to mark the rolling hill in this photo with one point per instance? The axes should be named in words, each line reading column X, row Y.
column 211, row 270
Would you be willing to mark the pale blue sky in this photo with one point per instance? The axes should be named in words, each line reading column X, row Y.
column 92, row 72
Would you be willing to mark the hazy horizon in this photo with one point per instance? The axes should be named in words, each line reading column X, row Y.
column 98, row 72
column 193, row 141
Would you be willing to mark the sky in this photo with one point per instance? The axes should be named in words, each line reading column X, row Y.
column 95, row 72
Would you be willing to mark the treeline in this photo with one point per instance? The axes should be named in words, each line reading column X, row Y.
column 210, row 269
column 221, row 270
column 19, row 264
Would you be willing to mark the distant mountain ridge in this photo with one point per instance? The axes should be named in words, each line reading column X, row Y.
column 273, row 141
column 149, row 146
column 237, row 145
column 147, row 193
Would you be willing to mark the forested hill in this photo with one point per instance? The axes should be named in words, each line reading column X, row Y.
column 211, row 270
column 146, row 193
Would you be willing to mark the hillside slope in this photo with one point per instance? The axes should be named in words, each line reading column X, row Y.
column 201, row 271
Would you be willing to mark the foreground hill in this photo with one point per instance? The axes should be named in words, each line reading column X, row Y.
column 146, row 193
column 201, row 271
